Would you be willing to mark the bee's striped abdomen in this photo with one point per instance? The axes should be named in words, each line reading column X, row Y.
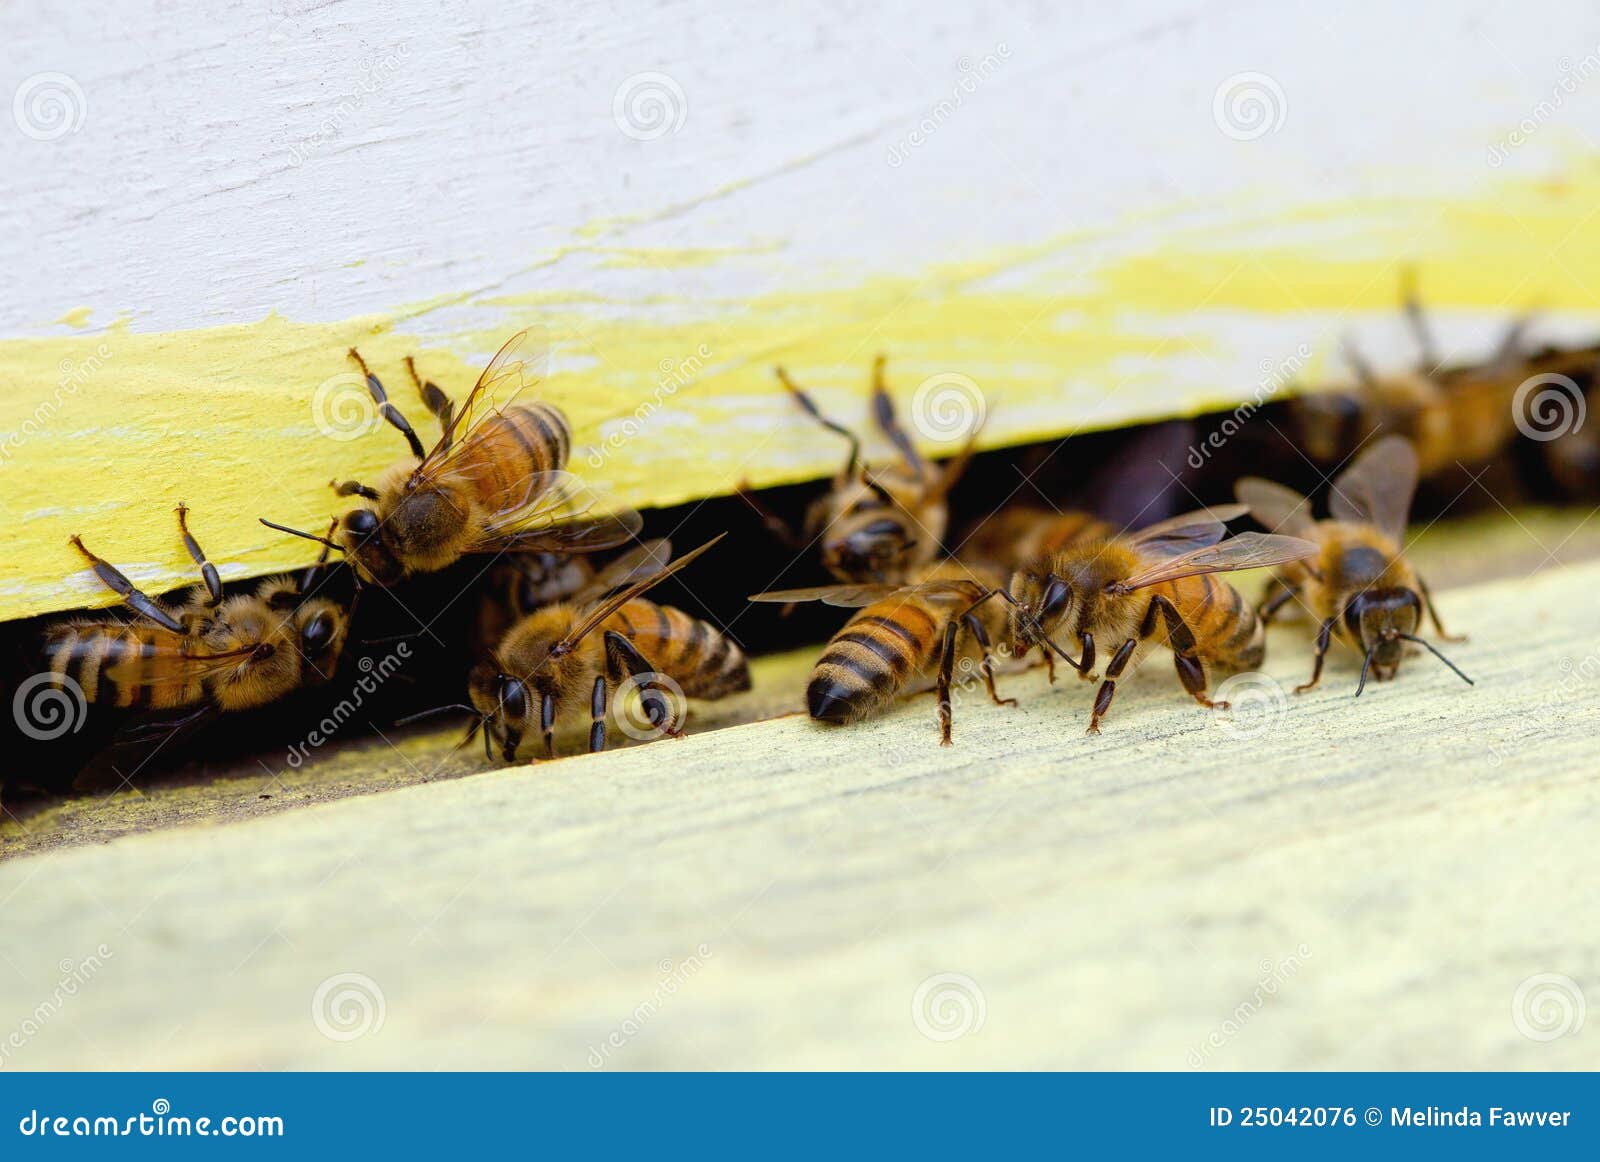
column 703, row 660
column 125, row 665
column 873, row 658
column 1226, row 630
column 506, row 449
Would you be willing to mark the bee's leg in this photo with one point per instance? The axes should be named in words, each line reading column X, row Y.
column 811, row 409
column 981, row 636
column 547, row 724
column 1433, row 614
column 785, row 535
column 1285, row 594
column 114, row 580
column 597, row 715
column 1086, row 657
column 1358, row 362
column 353, row 488
column 310, row 579
column 1108, row 688
column 1426, row 348
column 435, row 400
column 653, row 697
column 1185, row 658
column 1324, row 637
column 1049, row 662
column 208, row 571
column 888, row 422
column 947, row 662
column 387, row 410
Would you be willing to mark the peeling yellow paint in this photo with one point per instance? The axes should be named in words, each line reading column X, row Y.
column 77, row 317
column 102, row 433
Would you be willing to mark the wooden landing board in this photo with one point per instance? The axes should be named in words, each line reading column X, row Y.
column 1403, row 881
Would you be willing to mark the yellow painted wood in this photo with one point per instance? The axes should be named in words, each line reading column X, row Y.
column 1309, row 893
column 103, row 431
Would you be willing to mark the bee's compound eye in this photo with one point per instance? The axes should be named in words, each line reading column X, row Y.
column 317, row 633
column 1056, row 596
column 362, row 522
column 514, row 698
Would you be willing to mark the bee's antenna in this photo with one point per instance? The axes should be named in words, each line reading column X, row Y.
column 308, row 536
column 1037, row 629
column 1366, row 665
column 410, row 718
column 1429, row 647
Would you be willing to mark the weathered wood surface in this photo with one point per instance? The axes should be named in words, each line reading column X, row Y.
column 1077, row 215
column 1402, row 881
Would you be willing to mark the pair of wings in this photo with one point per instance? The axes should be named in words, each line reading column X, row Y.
column 1183, row 546
column 555, row 512
column 624, row 579
column 1376, row 489
column 179, row 661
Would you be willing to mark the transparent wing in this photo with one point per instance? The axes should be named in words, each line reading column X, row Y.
column 644, row 561
column 1187, row 531
column 559, row 513
column 180, row 665
column 1245, row 551
column 1378, row 487
column 842, row 596
column 1283, row 510
column 518, row 366
column 616, row 601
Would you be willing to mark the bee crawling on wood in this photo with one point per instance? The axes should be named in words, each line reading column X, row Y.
column 579, row 653
column 875, row 523
column 1151, row 587
column 1358, row 584
column 209, row 653
column 493, row 483
column 902, row 635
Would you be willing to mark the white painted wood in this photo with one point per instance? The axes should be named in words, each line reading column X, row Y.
column 227, row 160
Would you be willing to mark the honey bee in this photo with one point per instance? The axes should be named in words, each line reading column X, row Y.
column 1452, row 414
column 520, row 583
column 1153, row 586
column 875, row 523
column 210, row 652
column 579, row 652
column 493, row 483
column 1018, row 533
column 902, row 635
column 1359, row 585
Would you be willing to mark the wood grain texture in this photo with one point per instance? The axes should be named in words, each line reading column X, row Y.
column 1071, row 209
column 1333, row 884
